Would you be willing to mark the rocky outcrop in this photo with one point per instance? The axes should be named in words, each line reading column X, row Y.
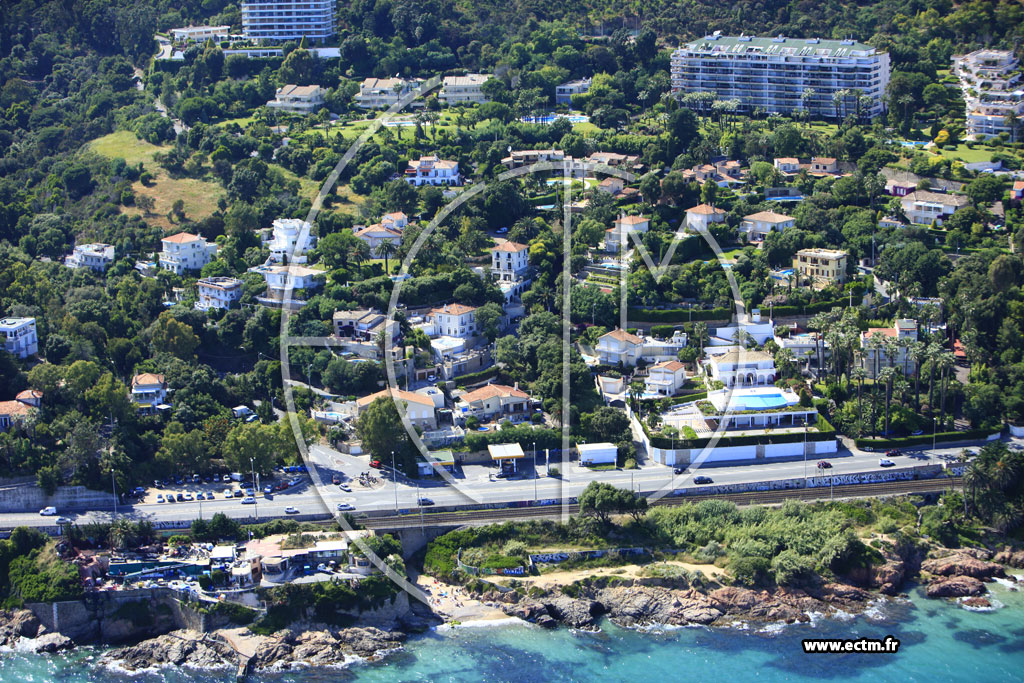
column 955, row 587
column 52, row 642
column 574, row 613
column 1008, row 556
column 18, row 624
column 888, row 578
column 962, row 563
column 177, row 648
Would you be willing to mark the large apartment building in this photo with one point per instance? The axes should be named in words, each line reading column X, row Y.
column 990, row 80
column 784, row 75
column 279, row 20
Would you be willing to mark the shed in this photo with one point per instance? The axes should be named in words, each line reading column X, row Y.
column 597, row 453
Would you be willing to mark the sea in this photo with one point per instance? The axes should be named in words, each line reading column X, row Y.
column 939, row 641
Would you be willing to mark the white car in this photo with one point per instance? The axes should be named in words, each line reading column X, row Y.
column 228, row 493
column 48, row 511
column 248, row 500
column 291, row 511
column 160, row 498
column 345, row 506
column 886, row 462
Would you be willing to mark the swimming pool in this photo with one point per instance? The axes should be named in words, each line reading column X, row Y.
column 757, row 399
column 551, row 118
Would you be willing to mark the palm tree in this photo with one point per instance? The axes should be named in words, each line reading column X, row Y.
column 885, row 376
column 859, row 373
column 976, row 477
column 386, row 249
column 945, row 362
column 636, row 390
column 1012, row 122
column 916, row 352
column 931, row 353
column 805, row 97
column 700, row 331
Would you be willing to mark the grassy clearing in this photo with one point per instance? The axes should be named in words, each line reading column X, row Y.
column 967, row 155
column 200, row 196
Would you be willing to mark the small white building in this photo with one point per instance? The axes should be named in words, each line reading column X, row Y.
column 185, row 252
column 298, row 99
column 280, row 279
column 497, row 402
column 701, row 216
column 396, row 220
column 565, row 91
column 787, row 165
column 619, row 233
column 97, row 256
column 148, row 392
column 381, row 93
column 741, row 368
column 665, row 378
column 19, row 336
column 509, row 261
column 199, row 34
column 454, row 320
column 597, row 453
column 466, row 89
column 619, row 346
column 218, row 292
column 923, row 207
column 430, row 170
column 289, row 241
column 756, row 226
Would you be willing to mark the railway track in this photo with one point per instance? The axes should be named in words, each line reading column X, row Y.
column 462, row 517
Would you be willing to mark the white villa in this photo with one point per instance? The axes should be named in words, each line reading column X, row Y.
column 396, row 220
column 298, row 99
column 665, row 378
column 218, row 292
column 19, row 336
column 280, row 279
column 923, row 207
column 463, row 89
column 419, row 408
column 619, row 346
column 376, row 234
column 148, row 392
column 614, row 236
column 430, row 170
column 454, row 320
column 290, row 240
column 509, row 261
column 199, row 34
column 991, row 84
column 184, row 252
column 496, row 402
column 757, row 225
column 701, row 216
column 380, row 93
column 565, row 91
column 95, row 256
column 741, row 368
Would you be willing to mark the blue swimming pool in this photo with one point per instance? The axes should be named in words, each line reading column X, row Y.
column 757, row 399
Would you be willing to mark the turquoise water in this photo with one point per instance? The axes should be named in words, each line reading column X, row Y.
column 939, row 642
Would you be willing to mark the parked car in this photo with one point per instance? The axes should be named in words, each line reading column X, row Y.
column 424, row 501
column 345, row 506
column 268, row 489
column 335, row 479
column 226, row 477
column 200, row 496
column 824, row 465
column 375, row 464
column 196, row 479
column 701, row 479
column 238, row 493
column 158, row 484
column 345, row 487
column 228, row 493
column 502, row 230
column 885, row 462
column 431, row 378
column 501, row 475
column 189, row 496
column 170, row 497
column 160, row 498
column 291, row 511
column 248, row 500
column 180, row 497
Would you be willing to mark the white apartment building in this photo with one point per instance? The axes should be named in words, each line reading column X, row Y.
column 773, row 74
column 280, row 279
column 701, row 216
column 757, row 225
column 185, row 252
column 463, row 89
column 509, row 261
column 454, row 320
column 741, row 368
column 828, row 265
column 991, row 84
column 381, row 93
column 377, row 234
column 290, row 240
column 615, row 236
column 298, row 99
column 218, row 292
column 923, row 207
column 19, row 336
column 875, row 358
column 280, row 20
column 565, row 91
column 148, row 392
column 432, row 171
column 198, row 34
column 96, row 256
column 665, row 378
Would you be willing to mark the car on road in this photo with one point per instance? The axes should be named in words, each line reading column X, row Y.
column 138, row 492
column 375, row 464
column 268, row 489
column 424, row 501
column 893, row 452
column 63, row 520
column 160, row 498
column 248, row 500
column 501, row 475
column 345, row 506
column 345, row 487
column 824, row 465
column 679, row 470
column 701, row 479
column 291, row 510
column 238, row 493
column 868, row 449
column 885, row 462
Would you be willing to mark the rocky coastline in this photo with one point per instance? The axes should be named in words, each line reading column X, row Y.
column 955, row 574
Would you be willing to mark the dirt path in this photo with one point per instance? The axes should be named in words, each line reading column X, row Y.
column 562, row 578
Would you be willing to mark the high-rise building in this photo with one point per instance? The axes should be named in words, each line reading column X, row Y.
column 278, row 20
column 991, row 83
column 785, row 75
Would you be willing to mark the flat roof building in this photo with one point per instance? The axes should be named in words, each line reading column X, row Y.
column 280, row 20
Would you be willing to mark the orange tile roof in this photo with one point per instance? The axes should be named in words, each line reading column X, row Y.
column 408, row 396
column 631, row 220
column 768, row 217
column 14, row 408
column 672, row 365
column 181, row 238
column 29, row 394
column 492, row 390
column 704, row 210
column 622, row 335
column 510, row 247
column 453, row 309
column 147, row 378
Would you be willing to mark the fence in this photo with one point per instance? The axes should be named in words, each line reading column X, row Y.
column 557, row 558
column 488, row 571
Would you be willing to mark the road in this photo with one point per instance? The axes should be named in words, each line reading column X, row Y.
column 474, row 485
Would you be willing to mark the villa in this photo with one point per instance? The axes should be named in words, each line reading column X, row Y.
column 430, row 170
column 701, row 216
column 741, row 368
column 620, row 347
column 880, row 352
column 298, row 99
column 290, row 240
column 495, row 402
column 98, row 257
column 615, row 236
column 466, row 89
column 377, row 234
column 19, row 336
column 756, row 226
column 184, row 252
column 380, row 93
column 419, row 408
column 218, row 292
column 665, row 378
column 149, row 393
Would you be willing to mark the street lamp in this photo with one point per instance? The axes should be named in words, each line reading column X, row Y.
column 394, row 476
column 255, row 505
column 113, row 489
column 935, row 424
column 535, row 471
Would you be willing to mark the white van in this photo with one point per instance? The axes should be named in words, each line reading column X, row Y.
column 48, row 511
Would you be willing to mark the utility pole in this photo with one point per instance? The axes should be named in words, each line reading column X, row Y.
column 935, row 424
column 255, row 505
column 805, row 451
column 113, row 489
column 394, row 476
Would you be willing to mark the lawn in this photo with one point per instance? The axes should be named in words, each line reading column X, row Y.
column 200, row 196
column 967, row 155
